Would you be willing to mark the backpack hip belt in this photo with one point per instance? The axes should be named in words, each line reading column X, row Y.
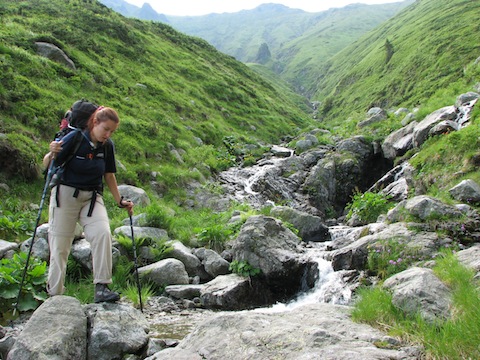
column 98, row 190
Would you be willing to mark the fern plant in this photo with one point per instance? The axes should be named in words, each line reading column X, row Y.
column 33, row 290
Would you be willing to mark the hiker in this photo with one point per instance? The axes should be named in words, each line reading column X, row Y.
column 76, row 196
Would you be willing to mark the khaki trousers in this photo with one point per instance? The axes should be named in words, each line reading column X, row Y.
column 62, row 222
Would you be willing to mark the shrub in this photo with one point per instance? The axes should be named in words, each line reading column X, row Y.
column 215, row 237
column 367, row 206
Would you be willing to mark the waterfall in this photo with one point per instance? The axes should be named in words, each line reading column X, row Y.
column 329, row 287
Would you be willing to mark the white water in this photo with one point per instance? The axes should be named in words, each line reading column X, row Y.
column 244, row 179
column 329, row 288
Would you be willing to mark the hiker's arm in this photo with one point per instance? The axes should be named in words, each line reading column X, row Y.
column 55, row 148
column 111, row 181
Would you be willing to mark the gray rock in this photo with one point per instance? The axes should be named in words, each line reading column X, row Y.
column 54, row 53
column 139, row 232
column 184, row 291
column 418, row 290
column 326, row 332
column 184, row 254
column 212, row 262
column 57, row 330
column 422, row 207
column 467, row 191
column 40, row 248
column 422, row 129
column 310, row 227
column 137, row 195
column 6, row 246
column 228, row 292
column 115, row 330
column 165, row 272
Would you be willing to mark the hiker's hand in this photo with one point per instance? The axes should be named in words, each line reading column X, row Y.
column 127, row 204
column 55, row 147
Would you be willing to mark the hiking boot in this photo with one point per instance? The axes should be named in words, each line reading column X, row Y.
column 104, row 294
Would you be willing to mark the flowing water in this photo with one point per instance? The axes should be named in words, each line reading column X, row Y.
column 330, row 286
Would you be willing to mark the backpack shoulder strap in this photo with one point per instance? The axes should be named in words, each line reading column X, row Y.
column 77, row 140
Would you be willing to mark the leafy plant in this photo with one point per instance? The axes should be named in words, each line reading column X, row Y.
column 367, row 206
column 33, row 290
column 243, row 268
column 386, row 258
column 14, row 220
column 158, row 248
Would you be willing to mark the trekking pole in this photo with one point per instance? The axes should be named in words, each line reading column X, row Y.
column 137, row 278
column 45, row 189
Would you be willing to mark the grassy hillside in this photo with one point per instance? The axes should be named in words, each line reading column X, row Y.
column 303, row 57
column 167, row 87
column 240, row 34
column 422, row 50
column 172, row 92
column 298, row 41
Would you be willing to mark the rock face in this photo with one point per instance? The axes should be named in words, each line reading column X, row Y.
column 326, row 332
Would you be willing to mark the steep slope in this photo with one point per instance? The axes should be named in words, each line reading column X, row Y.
column 296, row 43
column 402, row 62
column 242, row 33
column 304, row 56
column 169, row 88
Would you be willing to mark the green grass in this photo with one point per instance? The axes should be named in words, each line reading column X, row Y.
column 455, row 338
column 426, row 61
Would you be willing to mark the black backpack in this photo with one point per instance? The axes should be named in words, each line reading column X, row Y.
column 77, row 117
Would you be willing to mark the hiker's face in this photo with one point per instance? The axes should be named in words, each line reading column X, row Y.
column 103, row 130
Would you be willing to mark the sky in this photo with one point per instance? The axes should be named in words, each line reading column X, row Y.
column 204, row 7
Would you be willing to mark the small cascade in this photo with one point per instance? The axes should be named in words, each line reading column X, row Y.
column 241, row 181
column 329, row 288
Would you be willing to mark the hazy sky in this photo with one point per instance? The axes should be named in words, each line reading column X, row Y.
column 203, row 7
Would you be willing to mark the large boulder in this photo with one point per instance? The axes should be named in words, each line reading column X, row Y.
column 265, row 244
column 115, row 330
column 467, row 191
column 310, row 227
column 137, row 195
column 316, row 331
column 421, row 131
column 56, row 330
column 418, row 291
column 54, row 53
column 232, row 292
column 192, row 263
column 423, row 208
column 212, row 262
column 165, row 272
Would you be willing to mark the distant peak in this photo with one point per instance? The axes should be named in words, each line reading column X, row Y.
column 271, row 7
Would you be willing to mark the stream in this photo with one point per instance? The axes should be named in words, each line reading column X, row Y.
column 329, row 288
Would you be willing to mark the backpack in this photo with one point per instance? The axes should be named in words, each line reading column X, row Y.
column 75, row 119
